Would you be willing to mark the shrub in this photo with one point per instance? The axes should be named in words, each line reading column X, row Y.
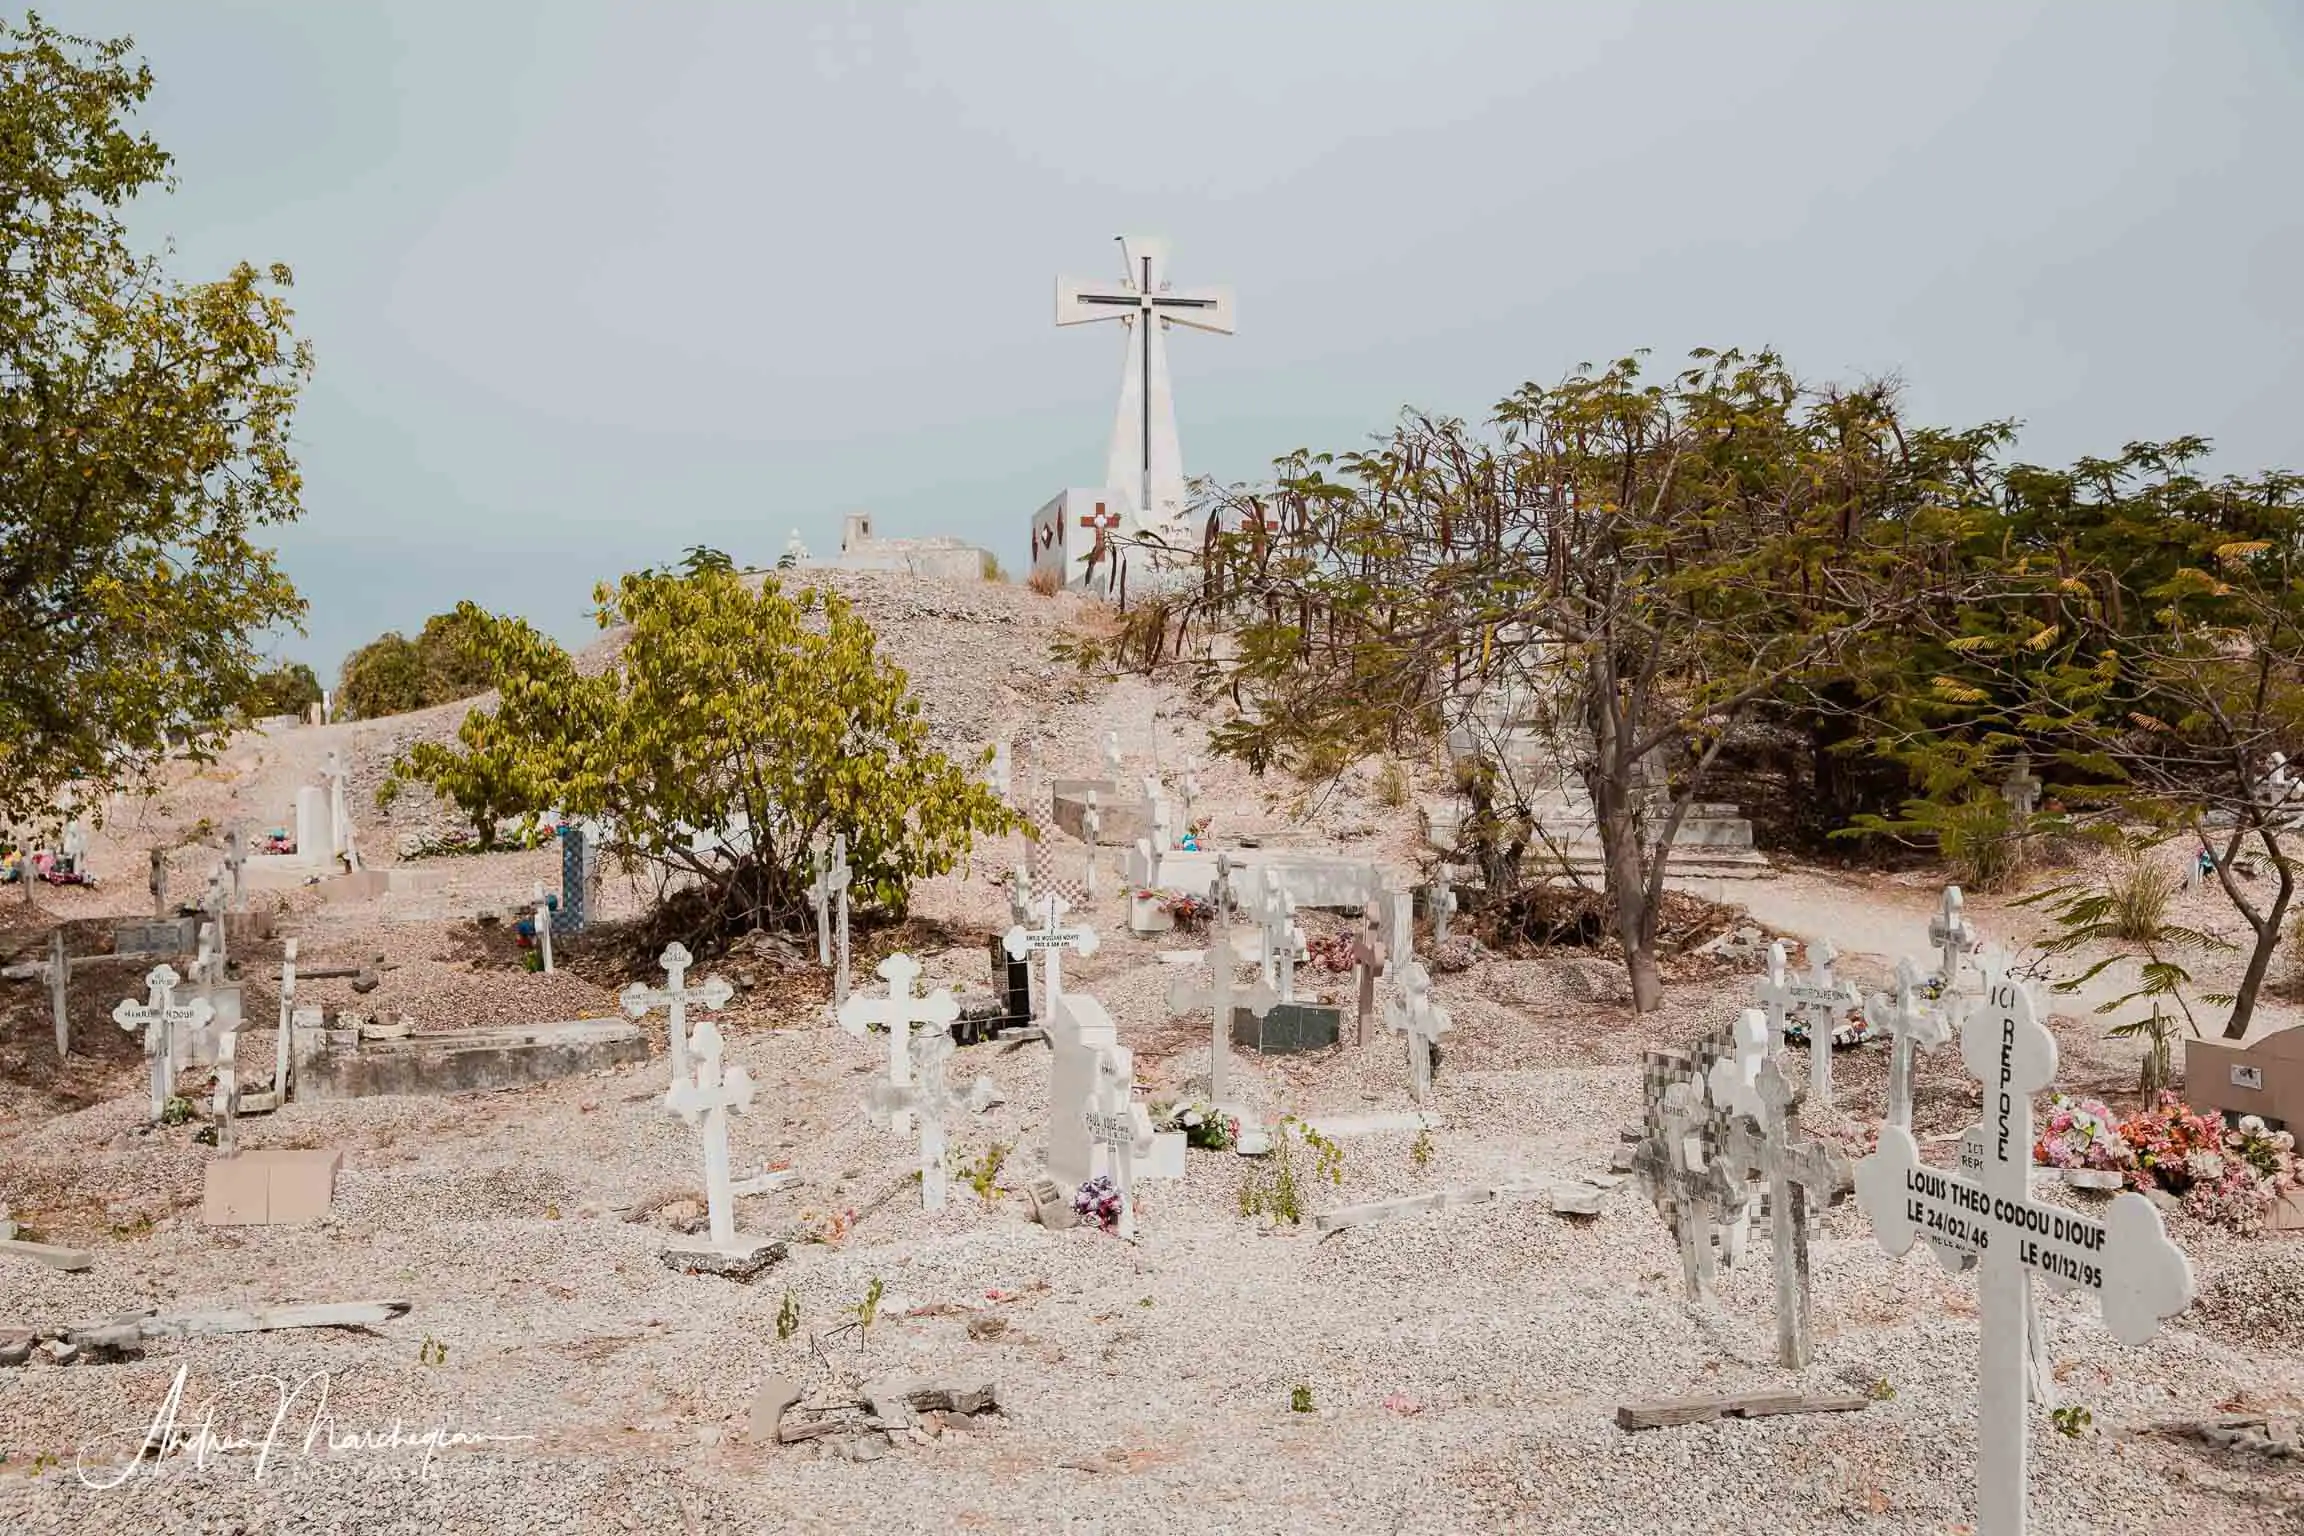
column 1045, row 581
column 2140, row 892
column 771, row 719
column 989, row 567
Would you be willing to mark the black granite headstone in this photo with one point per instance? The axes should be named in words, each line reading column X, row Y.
column 1288, row 1029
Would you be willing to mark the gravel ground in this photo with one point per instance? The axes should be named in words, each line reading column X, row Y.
column 1463, row 1368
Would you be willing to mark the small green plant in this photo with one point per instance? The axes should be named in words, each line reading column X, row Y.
column 431, row 1352
column 1274, row 1190
column 177, row 1111
column 2139, row 893
column 2071, row 1422
column 1392, row 785
column 1299, row 1399
column 983, row 1174
column 1144, row 1301
column 2157, row 1030
column 990, row 567
column 788, row 1317
column 1420, row 1151
column 868, row 1309
column 1880, row 1391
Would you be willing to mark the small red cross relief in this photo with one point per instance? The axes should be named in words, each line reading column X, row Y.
column 1103, row 522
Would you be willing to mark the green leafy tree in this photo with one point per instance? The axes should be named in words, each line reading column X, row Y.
column 144, row 441
column 288, row 689
column 1628, row 570
column 383, row 677
column 740, row 730
column 448, row 660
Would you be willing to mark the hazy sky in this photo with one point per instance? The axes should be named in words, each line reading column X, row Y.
column 592, row 282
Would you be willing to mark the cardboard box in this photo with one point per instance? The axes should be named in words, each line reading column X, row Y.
column 271, row 1188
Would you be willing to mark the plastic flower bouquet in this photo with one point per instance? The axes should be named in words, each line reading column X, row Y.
column 2082, row 1133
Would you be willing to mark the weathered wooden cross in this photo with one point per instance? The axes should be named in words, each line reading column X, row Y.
column 226, row 1104
column 820, row 903
column 1092, row 828
column 1443, row 906
column 1677, row 1165
column 1801, row 1175
column 1188, row 788
column 1414, row 1015
column 1368, row 960
column 674, row 998
column 160, row 1016
column 1912, row 1023
column 1734, row 1080
column 997, row 775
column 706, row 1100
column 2125, row 1260
column 898, row 1013
column 1112, row 759
column 283, row 1042
column 1049, row 943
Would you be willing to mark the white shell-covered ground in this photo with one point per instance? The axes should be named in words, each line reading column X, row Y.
column 1462, row 1369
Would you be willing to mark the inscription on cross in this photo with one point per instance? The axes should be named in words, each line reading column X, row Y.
column 1121, row 1127
column 1049, row 942
column 674, row 998
column 2125, row 1260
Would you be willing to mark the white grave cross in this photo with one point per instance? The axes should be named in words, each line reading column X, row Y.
column 1049, row 943
column 706, row 1099
column 1948, row 930
column 2125, row 1260
column 930, row 1096
column 897, row 1013
column 1443, row 907
column 1222, row 996
column 1414, row 1015
column 1824, row 1001
column 1092, row 827
column 160, row 1016
column 836, row 878
column 1119, row 1125
column 674, row 999
column 1911, row 1024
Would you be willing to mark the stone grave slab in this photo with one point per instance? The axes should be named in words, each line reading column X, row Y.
column 158, row 938
column 270, row 1188
column 339, row 1064
column 1122, row 816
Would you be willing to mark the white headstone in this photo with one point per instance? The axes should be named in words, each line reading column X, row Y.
column 1120, row 1127
column 2125, row 1260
